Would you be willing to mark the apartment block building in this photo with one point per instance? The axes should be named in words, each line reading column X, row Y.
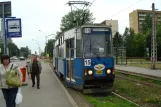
column 137, row 17
column 113, row 24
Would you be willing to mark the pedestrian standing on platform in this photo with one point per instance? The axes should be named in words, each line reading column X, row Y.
column 35, row 71
column 9, row 92
column 28, row 67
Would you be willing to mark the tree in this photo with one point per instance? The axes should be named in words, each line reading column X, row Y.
column 158, row 35
column 148, row 35
column 117, row 40
column 132, row 42
column 76, row 15
column 139, row 45
column 57, row 35
column 147, row 24
column 147, row 31
column 50, row 47
column 13, row 49
column 24, row 51
column 125, row 35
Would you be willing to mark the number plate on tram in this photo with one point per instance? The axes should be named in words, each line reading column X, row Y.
column 99, row 72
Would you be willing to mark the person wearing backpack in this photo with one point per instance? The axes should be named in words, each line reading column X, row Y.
column 35, row 71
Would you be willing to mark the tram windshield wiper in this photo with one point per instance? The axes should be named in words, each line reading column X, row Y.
column 93, row 51
column 90, row 45
column 96, row 54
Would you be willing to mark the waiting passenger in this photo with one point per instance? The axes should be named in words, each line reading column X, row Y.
column 35, row 71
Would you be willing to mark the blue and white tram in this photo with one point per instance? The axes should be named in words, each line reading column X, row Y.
column 83, row 57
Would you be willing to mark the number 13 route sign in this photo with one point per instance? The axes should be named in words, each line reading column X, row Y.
column 13, row 28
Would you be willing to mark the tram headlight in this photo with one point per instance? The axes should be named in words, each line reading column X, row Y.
column 90, row 72
column 108, row 71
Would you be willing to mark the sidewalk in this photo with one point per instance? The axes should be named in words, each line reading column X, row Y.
column 146, row 71
column 50, row 94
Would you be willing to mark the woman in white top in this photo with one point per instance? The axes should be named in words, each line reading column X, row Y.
column 9, row 92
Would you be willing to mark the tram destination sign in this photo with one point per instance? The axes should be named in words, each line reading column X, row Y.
column 90, row 30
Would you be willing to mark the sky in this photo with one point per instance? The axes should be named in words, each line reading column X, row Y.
column 45, row 15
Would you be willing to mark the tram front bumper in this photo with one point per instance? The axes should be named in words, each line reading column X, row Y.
column 100, row 81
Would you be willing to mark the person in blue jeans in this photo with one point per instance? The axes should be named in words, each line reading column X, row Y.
column 9, row 92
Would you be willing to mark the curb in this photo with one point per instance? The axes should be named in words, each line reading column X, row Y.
column 65, row 91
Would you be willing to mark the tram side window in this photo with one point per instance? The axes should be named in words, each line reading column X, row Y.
column 62, row 51
column 67, row 48
column 108, row 44
column 70, row 47
column 79, row 48
column 59, row 51
column 59, row 54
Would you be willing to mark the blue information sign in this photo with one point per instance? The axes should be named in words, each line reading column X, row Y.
column 13, row 28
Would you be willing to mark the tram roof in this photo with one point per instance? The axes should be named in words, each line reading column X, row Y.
column 90, row 25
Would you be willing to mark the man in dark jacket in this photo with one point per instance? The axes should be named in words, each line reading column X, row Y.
column 35, row 71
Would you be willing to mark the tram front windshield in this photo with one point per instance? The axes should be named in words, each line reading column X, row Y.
column 97, row 44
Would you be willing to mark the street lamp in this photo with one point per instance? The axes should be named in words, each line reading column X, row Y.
column 38, row 45
column 46, row 39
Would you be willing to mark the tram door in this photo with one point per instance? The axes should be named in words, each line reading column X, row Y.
column 70, row 60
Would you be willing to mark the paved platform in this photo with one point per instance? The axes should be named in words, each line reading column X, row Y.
column 146, row 71
column 50, row 94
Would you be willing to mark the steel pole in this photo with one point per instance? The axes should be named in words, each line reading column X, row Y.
column 153, row 40
column 4, row 32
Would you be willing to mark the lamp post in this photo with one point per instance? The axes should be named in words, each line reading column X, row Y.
column 38, row 45
column 46, row 39
column 45, row 42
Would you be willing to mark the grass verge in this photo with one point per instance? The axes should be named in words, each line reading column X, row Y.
column 148, row 95
column 144, row 95
column 140, row 79
column 108, row 101
column 158, row 66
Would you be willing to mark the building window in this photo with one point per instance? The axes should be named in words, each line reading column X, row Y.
column 142, row 14
column 141, row 18
column 140, row 22
column 159, row 15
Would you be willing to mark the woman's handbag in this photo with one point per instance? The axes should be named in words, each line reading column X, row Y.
column 12, row 79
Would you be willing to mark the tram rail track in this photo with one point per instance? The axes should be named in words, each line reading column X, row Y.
column 139, row 75
column 125, row 99
column 86, row 102
column 139, row 82
column 76, row 94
